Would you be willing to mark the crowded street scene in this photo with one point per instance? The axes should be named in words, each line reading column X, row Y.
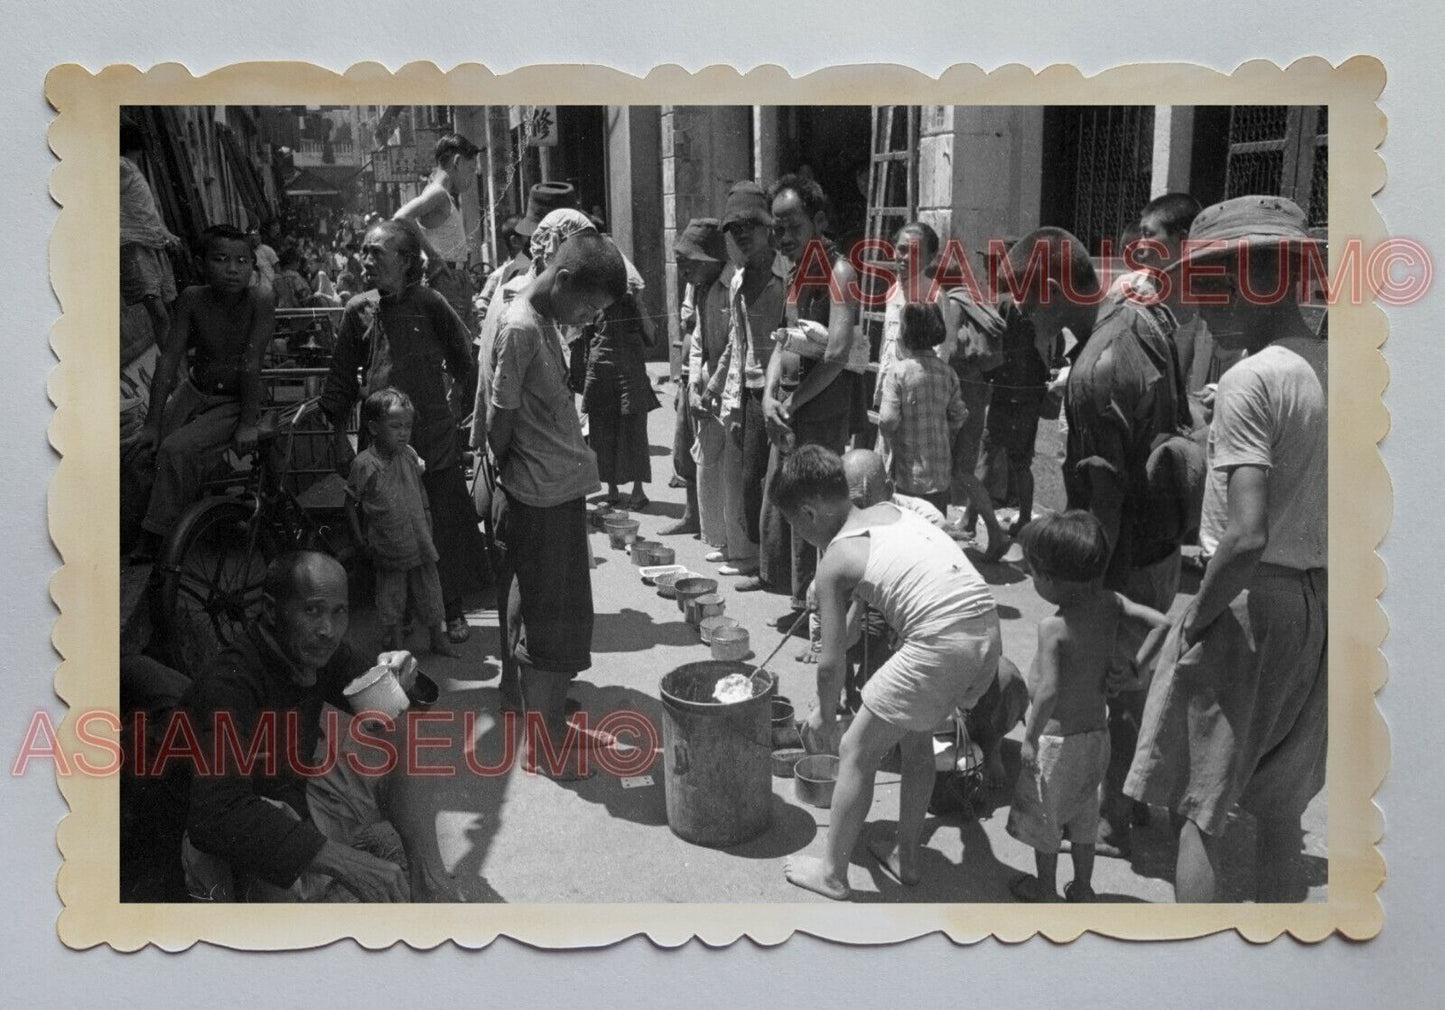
column 723, row 503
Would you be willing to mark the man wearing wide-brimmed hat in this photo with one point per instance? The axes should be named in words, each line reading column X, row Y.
column 1237, row 711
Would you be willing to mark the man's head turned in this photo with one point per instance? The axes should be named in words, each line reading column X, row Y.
column 305, row 606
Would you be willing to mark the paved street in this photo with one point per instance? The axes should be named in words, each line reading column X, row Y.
column 519, row 837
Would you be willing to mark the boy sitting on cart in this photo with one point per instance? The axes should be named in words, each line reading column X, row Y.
column 220, row 332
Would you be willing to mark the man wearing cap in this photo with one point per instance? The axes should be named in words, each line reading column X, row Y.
column 1237, row 711
column 1124, row 392
column 757, row 294
column 701, row 253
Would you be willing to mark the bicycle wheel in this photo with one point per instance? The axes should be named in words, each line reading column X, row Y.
column 211, row 579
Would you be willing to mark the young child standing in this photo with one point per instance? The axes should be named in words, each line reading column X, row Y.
column 386, row 480
column 921, row 409
column 1097, row 640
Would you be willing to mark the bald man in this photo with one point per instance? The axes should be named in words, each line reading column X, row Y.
column 271, row 831
column 1002, row 706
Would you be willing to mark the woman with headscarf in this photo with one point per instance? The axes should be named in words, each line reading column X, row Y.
column 403, row 334
column 554, row 229
column 617, row 396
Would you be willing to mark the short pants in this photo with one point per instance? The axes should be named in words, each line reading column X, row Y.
column 392, row 587
column 924, row 681
column 1060, row 792
column 549, row 607
column 1012, row 427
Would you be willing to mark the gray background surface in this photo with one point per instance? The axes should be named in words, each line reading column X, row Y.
column 1400, row 968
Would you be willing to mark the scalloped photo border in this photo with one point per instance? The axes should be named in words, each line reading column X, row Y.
column 84, row 524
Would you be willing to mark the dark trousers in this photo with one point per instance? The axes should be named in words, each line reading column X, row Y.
column 456, row 533
column 786, row 560
column 756, row 451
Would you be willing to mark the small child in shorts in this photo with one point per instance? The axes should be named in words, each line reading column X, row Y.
column 1097, row 641
column 386, row 480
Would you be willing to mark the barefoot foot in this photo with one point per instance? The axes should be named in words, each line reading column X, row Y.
column 807, row 872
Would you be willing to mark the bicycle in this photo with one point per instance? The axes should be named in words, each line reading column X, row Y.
column 214, row 562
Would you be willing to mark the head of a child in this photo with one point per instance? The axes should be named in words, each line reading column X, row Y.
column 920, row 328
column 456, row 155
column 1068, row 553
column 587, row 276
column 227, row 259
column 811, row 491
column 1166, row 220
column 387, row 414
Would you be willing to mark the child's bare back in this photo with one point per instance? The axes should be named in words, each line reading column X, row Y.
column 1082, row 637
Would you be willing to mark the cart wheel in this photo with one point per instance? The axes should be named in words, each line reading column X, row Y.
column 212, row 572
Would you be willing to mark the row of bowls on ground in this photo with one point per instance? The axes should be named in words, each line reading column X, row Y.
column 814, row 775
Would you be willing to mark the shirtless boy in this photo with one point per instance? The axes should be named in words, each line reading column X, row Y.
column 220, row 333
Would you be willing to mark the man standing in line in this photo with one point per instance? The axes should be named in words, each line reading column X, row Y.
column 1124, row 392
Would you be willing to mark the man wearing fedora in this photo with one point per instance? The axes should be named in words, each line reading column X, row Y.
column 1124, row 395
column 1237, row 711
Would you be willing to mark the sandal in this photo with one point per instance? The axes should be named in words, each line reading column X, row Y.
column 634, row 503
column 458, row 630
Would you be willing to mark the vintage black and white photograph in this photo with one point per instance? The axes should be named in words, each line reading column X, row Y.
column 723, row 504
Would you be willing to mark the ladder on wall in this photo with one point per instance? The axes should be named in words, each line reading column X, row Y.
column 892, row 196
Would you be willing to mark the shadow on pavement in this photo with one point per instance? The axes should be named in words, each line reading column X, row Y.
column 980, row 877
column 631, row 630
column 791, row 831
column 451, row 820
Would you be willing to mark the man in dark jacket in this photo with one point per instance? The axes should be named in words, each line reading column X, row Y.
column 256, row 713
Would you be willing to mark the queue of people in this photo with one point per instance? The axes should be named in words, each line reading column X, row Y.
column 1123, row 706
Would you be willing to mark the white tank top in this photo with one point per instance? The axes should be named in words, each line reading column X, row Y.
column 450, row 237
column 918, row 578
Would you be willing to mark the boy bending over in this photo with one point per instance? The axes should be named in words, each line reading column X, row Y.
column 946, row 623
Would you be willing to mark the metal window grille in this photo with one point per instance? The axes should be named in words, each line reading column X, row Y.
column 1114, row 170
column 1281, row 150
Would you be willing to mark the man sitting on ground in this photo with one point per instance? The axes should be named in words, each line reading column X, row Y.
column 271, row 831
